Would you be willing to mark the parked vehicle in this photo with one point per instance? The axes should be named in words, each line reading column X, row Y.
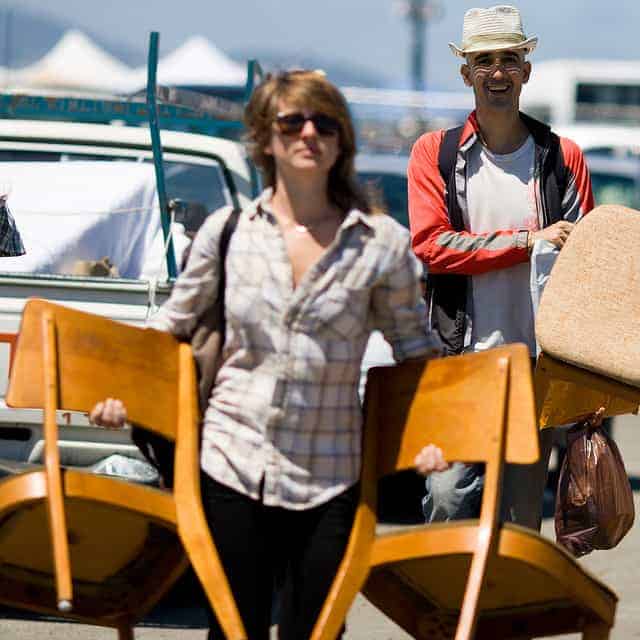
column 563, row 92
column 604, row 139
column 88, row 200
column 615, row 180
column 386, row 176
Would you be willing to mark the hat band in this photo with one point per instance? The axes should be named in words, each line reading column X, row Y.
column 486, row 40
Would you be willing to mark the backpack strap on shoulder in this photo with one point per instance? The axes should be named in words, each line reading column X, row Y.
column 559, row 168
column 556, row 182
column 447, row 164
column 225, row 237
column 448, row 152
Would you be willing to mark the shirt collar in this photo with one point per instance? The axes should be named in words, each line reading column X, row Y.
column 262, row 204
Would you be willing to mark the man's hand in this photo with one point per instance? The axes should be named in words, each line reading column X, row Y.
column 110, row 413
column 429, row 460
column 556, row 233
column 595, row 420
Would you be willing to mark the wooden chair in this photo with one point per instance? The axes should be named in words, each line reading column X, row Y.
column 92, row 548
column 469, row 578
column 588, row 321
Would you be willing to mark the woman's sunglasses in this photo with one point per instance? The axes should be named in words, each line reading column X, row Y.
column 293, row 123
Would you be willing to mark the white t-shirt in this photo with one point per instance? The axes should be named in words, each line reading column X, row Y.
column 500, row 195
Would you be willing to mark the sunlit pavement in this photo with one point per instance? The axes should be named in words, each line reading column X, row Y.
column 619, row 568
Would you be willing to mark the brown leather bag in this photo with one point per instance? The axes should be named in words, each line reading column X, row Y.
column 206, row 342
column 594, row 503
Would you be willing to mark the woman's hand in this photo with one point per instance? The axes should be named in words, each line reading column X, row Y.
column 429, row 460
column 110, row 413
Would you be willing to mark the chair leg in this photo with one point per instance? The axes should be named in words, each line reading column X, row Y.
column 596, row 631
column 335, row 610
column 202, row 553
column 125, row 632
column 349, row 580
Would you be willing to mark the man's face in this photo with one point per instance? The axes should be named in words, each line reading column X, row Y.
column 496, row 77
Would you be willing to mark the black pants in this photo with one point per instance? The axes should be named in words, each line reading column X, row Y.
column 261, row 545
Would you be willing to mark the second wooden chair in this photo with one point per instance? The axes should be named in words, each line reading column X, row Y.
column 471, row 578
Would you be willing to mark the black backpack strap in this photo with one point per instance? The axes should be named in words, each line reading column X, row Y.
column 447, row 293
column 555, row 184
column 159, row 451
column 554, row 172
column 559, row 167
column 449, row 151
column 225, row 237
column 447, row 165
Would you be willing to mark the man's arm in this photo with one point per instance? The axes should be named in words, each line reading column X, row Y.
column 434, row 240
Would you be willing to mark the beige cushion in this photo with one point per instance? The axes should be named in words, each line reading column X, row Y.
column 589, row 314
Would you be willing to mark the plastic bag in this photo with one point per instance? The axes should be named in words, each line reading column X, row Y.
column 594, row 503
column 129, row 468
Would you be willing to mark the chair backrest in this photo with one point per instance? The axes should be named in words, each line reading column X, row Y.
column 98, row 358
column 452, row 403
column 589, row 313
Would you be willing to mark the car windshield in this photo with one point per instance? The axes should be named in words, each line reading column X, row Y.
column 97, row 215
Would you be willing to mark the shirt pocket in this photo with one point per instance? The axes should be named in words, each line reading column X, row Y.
column 338, row 312
column 244, row 296
column 243, row 305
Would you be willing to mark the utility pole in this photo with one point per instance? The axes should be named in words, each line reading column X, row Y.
column 8, row 18
column 419, row 13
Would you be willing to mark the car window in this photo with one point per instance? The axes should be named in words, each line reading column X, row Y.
column 390, row 190
column 615, row 189
column 83, row 214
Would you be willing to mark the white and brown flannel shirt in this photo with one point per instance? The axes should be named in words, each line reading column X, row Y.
column 284, row 420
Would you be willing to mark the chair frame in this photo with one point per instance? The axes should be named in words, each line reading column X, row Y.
column 508, row 426
column 43, row 375
column 566, row 393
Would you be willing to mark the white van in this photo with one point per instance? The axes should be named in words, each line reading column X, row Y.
column 571, row 91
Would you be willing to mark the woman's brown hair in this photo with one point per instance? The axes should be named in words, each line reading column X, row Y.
column 305, row 90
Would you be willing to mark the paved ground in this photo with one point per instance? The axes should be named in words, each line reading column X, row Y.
column 618, row 567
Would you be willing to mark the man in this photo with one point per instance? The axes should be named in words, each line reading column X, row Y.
column 480, row 196
column 10, row 241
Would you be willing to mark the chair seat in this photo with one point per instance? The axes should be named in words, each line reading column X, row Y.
column 589, row 314
column 116, row 553
column 528, row 572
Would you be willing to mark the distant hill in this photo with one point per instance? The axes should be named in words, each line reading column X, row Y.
column 27, row 36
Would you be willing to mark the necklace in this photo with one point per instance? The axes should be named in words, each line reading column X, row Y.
column 307, row 228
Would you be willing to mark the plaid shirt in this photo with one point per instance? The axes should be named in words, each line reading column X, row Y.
column 284, row 419
column 10, row 241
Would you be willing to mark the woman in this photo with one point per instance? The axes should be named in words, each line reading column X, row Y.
column 310, row 272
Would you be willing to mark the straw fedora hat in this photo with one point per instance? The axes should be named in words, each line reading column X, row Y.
column 493, row 29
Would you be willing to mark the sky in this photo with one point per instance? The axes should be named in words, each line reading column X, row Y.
column 369, row 34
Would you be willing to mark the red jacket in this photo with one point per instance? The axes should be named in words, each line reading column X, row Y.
column 445, row 250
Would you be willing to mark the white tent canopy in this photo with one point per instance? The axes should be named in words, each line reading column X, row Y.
column 76, row 63
column 196, row 62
